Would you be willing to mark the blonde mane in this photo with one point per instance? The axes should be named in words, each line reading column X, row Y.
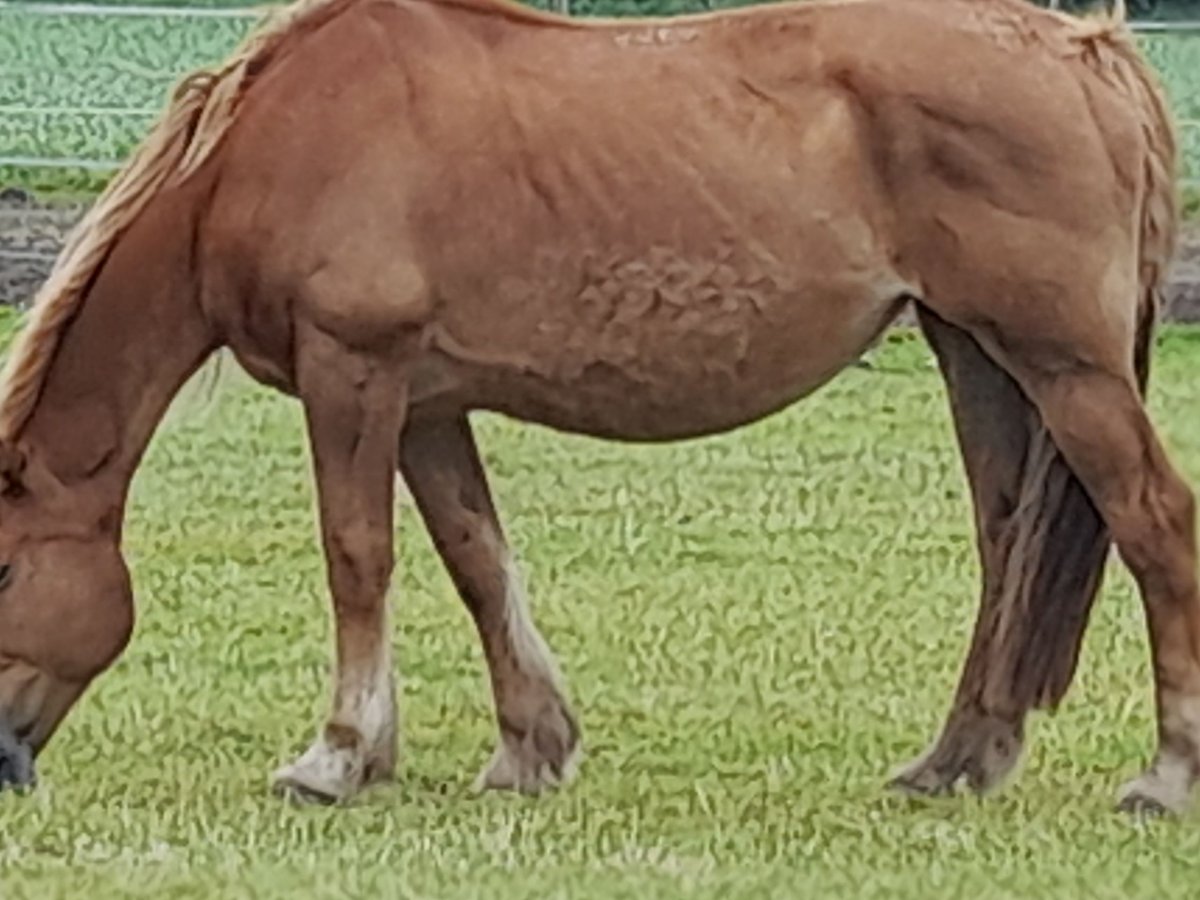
column 200, row 112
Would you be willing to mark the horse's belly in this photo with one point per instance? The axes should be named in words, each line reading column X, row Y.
column 610, row 402
column 639, row 370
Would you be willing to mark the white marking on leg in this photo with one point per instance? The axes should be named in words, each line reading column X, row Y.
column 1181, row 719
column 528, row 761
column 367, row 703
column 532, row 655
column 1168, row 782
column 364, row 711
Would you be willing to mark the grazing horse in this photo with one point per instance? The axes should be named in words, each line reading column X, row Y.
column 400, row 211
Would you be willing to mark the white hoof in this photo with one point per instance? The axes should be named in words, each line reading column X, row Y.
column 324, row 774
column 1153, row 795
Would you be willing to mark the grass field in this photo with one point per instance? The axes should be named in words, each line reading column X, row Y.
column 756, row 629
column 88, row 87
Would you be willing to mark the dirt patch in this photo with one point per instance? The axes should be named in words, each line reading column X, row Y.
column 31, row 234
column 1183, row 291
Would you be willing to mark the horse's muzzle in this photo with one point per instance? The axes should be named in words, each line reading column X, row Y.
column 16, row 761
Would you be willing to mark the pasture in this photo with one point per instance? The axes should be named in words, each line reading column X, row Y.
column 756, row 629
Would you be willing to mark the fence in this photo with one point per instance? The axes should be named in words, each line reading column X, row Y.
column 91, row 78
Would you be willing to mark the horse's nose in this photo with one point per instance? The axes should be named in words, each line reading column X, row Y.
column 16, row 761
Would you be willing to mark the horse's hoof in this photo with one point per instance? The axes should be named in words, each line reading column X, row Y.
column 545, row 757
column 300, row 792
column 325, row 774
column 1142, row 806
column 920, row 785
column 304, row 783
column 1150, row 796
column 511, row 770
column 976, row 749
column 933, row 774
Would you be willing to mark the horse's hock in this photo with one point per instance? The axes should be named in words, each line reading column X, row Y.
column 31, row 234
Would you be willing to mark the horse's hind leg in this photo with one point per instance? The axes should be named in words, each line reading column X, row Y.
column 1042, row 547
column 1087, row 392
column 538, row 735
column 1098, row 419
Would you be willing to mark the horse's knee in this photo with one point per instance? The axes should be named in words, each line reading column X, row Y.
column 361, row 558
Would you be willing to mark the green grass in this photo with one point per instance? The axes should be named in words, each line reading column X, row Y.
column 126, row 66
column 756, row 629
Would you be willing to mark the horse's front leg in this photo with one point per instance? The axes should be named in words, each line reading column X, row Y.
column 354, row 405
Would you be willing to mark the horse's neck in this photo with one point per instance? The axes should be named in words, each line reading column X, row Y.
column 139, row 334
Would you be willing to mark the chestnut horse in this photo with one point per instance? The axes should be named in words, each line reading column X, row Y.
column 400, row 211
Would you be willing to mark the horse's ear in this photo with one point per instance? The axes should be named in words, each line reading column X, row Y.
column 12, row 467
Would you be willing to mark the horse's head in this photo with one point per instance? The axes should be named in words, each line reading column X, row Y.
column 66, row 608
